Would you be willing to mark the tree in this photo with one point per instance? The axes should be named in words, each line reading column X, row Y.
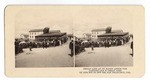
column 108, row 29
column 46, row 30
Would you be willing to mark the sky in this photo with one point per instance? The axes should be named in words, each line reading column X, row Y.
column 73, row 19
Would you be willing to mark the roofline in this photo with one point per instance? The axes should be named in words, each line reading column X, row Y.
column 105, row 35
column 60, row 34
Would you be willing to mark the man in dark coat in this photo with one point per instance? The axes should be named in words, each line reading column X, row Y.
column 132, row 48
column 92, row 45
column 16, row 46
column 30, row 46
column 71, row 47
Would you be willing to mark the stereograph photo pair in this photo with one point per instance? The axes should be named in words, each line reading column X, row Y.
column 74, row 41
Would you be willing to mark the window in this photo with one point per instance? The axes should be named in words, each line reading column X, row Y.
column 93, row 36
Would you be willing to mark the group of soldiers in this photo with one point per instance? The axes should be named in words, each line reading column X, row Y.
column 18, row 48
column 106, row 42
column 47, row 43
column 76, row 47
column 110, row 42
column 79, row 45
column 44, row 44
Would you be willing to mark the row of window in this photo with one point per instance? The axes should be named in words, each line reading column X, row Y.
column 31, row 36
column 97, row 32
column 35, row 33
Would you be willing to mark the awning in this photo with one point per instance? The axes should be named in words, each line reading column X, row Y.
column 113, row 34
column 51, row 35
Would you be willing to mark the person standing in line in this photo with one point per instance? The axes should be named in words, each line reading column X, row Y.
column 16, row 46
column 54, row 43
column 30, row 46
column 92, row 45
column 109, row 43
column 106, row 43
column 71, row 47
column 60, row 42
column 132, row 48
column 47, row 43
column 44, row 44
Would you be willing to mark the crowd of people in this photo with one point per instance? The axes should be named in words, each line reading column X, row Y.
column 51, row 43
column 19, row 46
column 79, row 45
column 106, row 42
column 76, row 46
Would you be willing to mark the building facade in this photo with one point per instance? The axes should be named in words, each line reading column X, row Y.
column 35, row 32
column 115, row 38
column 51, row 36
column 96, row 32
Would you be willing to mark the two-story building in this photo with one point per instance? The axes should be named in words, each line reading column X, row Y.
column 34, row 32
column 96, row 32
